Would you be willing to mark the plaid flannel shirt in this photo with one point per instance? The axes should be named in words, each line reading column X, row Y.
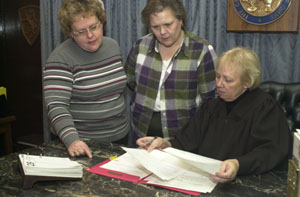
column 190, row 82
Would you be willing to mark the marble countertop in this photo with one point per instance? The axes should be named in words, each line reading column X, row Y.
column 270, row 184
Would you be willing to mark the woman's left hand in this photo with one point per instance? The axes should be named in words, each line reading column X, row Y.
column 228, row 171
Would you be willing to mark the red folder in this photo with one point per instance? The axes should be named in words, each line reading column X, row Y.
column 97, row 169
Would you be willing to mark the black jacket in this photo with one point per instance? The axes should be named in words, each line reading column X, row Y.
column 255, row 132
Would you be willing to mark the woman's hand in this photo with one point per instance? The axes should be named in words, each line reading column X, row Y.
column 228, row 171
column 151, row 143
column 78, row 148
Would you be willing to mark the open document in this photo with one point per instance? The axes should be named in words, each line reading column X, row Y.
column 171, row 168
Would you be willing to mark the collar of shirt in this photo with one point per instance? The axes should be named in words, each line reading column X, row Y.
column 154, row 45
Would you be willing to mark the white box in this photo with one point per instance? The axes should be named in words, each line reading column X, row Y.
column 296, row 148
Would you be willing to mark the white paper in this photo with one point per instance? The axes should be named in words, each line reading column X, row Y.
column 127, row 164
column 50, row 166
column 204, row 163
column 162, row 164
column 187, row 177
column 189, row 180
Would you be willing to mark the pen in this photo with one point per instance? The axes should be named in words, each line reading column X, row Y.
column 149, row 141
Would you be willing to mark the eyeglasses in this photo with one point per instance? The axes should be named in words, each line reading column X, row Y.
column 84, row 32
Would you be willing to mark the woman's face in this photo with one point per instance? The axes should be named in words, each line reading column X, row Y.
column 229, row 84
column 166, row 27
column 87, row 32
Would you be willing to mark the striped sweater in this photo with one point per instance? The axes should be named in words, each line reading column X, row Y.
column 83, row 92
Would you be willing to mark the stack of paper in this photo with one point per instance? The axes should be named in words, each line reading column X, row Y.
column 50, row 166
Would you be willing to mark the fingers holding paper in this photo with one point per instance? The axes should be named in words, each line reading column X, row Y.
column 151, row 143
column 227, row 172
column 79, row 148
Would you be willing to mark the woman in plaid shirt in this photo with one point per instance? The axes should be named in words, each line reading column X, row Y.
column 170, row 72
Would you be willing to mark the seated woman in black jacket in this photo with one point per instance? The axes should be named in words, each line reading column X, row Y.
column 244, row 126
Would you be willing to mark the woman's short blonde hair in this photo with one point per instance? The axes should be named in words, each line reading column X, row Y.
column 72, row 8
column 248, row 62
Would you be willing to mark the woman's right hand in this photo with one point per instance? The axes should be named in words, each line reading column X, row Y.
column 79, row 148
column 158, row 143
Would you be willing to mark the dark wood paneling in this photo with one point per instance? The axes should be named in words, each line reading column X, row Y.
column 20, row 72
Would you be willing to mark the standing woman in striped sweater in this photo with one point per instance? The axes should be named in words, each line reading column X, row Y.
column 84, row 80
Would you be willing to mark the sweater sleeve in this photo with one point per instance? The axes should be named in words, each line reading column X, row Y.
column 270, row 140
column 57, row 87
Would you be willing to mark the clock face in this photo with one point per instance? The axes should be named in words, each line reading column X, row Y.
column 261, row 12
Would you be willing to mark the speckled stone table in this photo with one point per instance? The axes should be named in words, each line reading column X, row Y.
column 270, row 184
